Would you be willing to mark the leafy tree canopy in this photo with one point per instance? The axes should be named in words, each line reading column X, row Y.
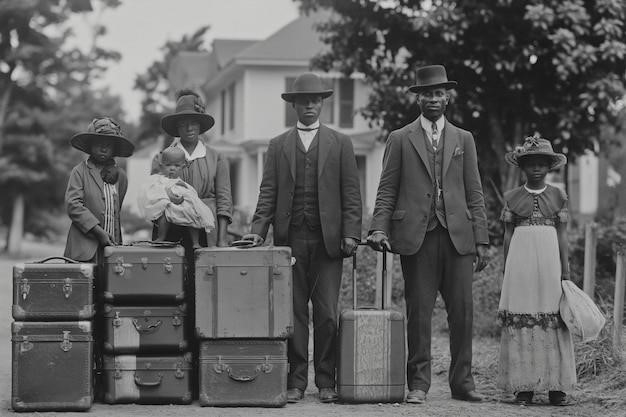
column 556, row 67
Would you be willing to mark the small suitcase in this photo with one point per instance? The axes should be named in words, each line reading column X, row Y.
column 53, row 291
column 145, row 379
column 52, row 366
column 149, row 329
column 243, row 372
column 371, row 360
column 243, row 293
column 144, row 273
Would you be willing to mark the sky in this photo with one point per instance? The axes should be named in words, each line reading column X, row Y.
column 138, row 28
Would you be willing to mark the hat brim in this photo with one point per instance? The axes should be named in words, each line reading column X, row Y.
column 123, row 147
column 447, row 85
column 169, row 123
column 291, row 96
column 558, row 159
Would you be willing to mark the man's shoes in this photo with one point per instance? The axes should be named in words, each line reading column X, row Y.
column 294, row 395
column 557, row 398
column 328, row 395
column 524, row 397
column 416, row 396
column 471, row 396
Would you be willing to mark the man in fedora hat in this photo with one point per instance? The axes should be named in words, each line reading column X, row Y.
column 310, row 194
column 430, row 210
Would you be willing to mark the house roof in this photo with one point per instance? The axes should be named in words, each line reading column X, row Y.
column 225, row 49
column 296, row 41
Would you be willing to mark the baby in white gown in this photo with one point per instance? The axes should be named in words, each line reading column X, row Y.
column 168, row 199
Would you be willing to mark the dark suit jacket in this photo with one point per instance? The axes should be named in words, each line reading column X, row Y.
column 339, row 192
column 405, row 190
column 84, row 198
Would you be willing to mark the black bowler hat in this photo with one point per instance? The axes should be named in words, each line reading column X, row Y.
column 431, row 76
column 307, row 84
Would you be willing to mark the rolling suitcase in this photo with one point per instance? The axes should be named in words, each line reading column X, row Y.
column 53, row 291
column 148, row 329
column 243, row 292
column 243, row 372
column 371, row 362
column 144, row 273
column 146, row 379
column 52, row 366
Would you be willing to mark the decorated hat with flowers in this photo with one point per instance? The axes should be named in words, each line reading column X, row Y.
column 103, row 127
column 536, row 145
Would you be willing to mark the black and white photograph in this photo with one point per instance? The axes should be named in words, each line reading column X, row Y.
column 313, row 207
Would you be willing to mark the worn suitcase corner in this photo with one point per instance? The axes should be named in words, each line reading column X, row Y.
column 203, row 399
column 16, row 326
column 180, row 251
column 18, row 270
column 396, row 315
column 18, row 312
column 108, row 296
column 18, row 405
column 87, row 312
column 108, row 251
column 87, row 270
column 186, row 399
column 85, row 326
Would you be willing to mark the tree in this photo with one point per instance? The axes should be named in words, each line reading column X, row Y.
column 555, row 67
column 44, row 94
column 154, row 84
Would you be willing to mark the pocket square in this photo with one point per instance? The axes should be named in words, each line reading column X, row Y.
column 458, row 151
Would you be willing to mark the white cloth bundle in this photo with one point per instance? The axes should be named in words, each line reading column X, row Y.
column 154, row 202
column 580, row 314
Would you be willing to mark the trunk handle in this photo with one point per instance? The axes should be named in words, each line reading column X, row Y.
column 63, row 258
column 242, row 244
column 141, row 383
column 150, row 328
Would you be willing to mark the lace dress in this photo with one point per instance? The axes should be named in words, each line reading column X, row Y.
column 536, row 349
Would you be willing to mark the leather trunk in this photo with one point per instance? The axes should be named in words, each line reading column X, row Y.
column 53, row 291
column 144, row 274
column 147, row 379
column 52, row 366
column 144, row 329
column 243, row 372
column 243, row 292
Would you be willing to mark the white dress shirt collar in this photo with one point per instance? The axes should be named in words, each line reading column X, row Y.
column 428, row 127
column 198, row 152
column 307, row 136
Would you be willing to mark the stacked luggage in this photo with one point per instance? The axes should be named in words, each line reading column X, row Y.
column 244, row 314
column 52, row 339
column 144, row 324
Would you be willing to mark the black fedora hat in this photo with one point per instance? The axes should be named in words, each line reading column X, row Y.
column 535, row 145
column 187, row 106
column 431, row 76
column 306, row 84
column 103, row 127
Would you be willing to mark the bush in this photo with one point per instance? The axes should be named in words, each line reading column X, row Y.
column 611, row 235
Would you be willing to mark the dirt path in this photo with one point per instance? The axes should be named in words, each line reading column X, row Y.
column 585, row 399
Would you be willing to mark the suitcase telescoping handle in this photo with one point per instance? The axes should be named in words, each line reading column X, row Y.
column 384, row 280
column 62, row 258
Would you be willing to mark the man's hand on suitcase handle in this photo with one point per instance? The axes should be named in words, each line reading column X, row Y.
column 256, row 239
column 379, row 241
column 348, row 246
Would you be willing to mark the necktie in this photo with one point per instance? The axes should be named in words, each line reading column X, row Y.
column 435, row 135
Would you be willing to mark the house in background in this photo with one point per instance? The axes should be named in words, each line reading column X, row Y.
column 241, row 82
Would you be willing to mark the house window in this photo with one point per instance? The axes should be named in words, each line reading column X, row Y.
column 231, row 102
column 346, row 102
column 328, row 106
column 223, row 112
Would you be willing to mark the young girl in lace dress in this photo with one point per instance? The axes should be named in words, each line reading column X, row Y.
column 536, row 349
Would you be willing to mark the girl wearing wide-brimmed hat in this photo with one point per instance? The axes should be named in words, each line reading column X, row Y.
column 96, row 189
column 206, row 170
column 536, row 349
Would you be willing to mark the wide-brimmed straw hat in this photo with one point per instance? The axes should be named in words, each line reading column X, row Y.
column 431, row 76
column 188, row 106
column 103, row 127
column 535, row 145
column 307, row 84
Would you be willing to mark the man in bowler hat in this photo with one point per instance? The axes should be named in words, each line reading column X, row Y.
column 310, row 194
column 430, row 210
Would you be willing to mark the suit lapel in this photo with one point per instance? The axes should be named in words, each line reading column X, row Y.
column 93, row 171
column 417, row 139
column 450, row 143
column 289, row 149
column 324, row 143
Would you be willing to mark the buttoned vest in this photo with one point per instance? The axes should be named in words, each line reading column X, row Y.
column 305, row 206
column 437, row 213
